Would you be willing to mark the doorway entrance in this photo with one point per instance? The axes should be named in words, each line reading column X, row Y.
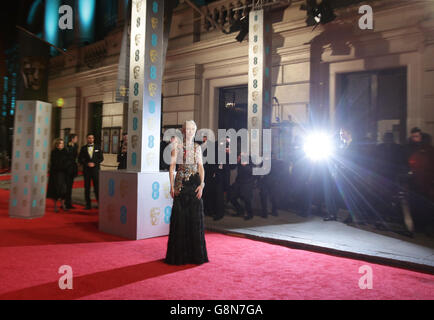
column 373, row 103
column 95, row 120
column 233, row 108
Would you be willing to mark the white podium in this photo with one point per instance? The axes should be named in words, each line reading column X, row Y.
column 134, row 205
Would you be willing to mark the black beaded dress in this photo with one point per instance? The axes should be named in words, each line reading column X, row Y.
column 186, row 244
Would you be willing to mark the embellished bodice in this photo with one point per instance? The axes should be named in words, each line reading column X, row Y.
column 187, row 159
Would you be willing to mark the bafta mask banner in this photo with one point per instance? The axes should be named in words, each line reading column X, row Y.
column 146, row 63
column 259, row 101
column 33, row 72
column 31, row 151
column 135, row 205
column 34, row 75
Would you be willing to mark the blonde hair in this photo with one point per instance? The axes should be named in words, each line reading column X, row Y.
column 57, row 142
column 184, row 126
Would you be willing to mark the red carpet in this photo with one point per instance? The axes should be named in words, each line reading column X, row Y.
column 107, row 267
column 6, row 177
column 77, row 183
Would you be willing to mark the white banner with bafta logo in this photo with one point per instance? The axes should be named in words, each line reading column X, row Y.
column 127, row 213
column 136, row 203
column 259, row 86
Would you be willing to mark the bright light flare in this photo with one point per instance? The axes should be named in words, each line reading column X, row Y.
column 318, row 146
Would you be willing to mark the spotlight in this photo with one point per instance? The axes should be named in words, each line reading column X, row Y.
column 318, row 13
column 326, row 13
column 318, row 146
column 244, row 28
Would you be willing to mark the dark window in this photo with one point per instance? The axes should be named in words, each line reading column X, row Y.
column 233, row 108
column 374, row 102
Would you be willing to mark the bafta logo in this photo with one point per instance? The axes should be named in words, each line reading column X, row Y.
column 255, row 49
column 150, row 158
column 36, row 167
column 20, row 118
column 255, row 95
column 152, row 89
column 153, row 55
column 136, row 72
column 255, row 71
column 151, row 123
column 24, row 203
column 39, row 119
column 166, row 189
column 29, row 130
column 154, row 23
column 17, row 166
column 27, row 154
column 255, row 121
column 110, row 212
column 18, row 142
column 14, row 190
column 155, row 216
column 134, row 141
column 138, row 4
column 123, row 188
column 38, row 143
column 137, row 39
column 256, row 28
column 135, row 106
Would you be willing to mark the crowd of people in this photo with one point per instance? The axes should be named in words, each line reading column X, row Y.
column 64, row 162
column 371, row 181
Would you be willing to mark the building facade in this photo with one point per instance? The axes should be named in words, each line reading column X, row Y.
column 336, row 73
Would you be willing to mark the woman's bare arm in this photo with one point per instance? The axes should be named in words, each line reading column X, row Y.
column 172, row 172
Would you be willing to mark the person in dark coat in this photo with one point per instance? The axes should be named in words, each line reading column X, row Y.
column 272, row 184
column 217, row 179
column 421, row 162
column 123, row 152
column 243, row 187
column 57, row 182
column 355, row 177
column 390, row 165
column 72, row 170
column 208, row 195
column 91, row 157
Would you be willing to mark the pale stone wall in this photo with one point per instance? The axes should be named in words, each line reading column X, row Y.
column 306, row 65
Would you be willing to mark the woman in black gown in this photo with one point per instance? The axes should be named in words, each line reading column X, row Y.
column 57, row 182
column 186, row 243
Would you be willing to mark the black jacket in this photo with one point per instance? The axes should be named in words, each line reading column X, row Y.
column 59, row 165
column 72, row 157
column 97, row 157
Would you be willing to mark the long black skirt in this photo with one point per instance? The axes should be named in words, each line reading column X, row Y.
column 186, row 243
column 57, row 185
